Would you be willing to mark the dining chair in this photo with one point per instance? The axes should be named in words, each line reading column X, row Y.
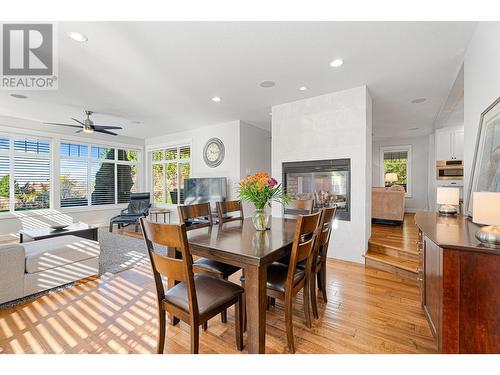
column 285, row 281
column 229, row 207
column 196, row 216
column 318, row 269
column 195, row 298
column 299, row 207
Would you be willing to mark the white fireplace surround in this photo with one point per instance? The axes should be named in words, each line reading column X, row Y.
column 331, row 126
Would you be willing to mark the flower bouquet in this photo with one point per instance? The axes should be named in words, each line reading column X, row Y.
column 261, row 190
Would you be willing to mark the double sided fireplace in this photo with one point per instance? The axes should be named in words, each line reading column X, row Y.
column 328, row 182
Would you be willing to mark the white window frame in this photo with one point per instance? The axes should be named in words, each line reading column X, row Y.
column 55, row 140
column 164, row 162
column 12, row 154
column 409, row 177
column 90, row 160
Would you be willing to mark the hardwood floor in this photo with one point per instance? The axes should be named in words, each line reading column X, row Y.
column 368, row 311
column 394, row 249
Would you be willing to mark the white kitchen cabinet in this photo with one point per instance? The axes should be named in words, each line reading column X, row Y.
column 450, row 143
column 458, row 144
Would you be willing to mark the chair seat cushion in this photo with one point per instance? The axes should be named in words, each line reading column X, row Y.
column 211, row 293
column 58, row 251
column 222, row 269
column 276, row 276
column 126, row 218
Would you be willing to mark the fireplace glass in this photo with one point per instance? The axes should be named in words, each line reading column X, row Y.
column 325, row 181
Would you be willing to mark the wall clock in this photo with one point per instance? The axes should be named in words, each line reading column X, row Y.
column 213, row 152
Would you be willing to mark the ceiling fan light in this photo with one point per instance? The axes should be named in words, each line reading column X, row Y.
column 88, row 130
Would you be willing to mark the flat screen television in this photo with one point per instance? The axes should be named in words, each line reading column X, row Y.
column 203, row 190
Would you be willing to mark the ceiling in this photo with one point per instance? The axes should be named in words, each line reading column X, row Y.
column 164, row 74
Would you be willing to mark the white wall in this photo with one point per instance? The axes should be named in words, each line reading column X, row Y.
column 419, row 169
column 255, row 155
column 481, row 85
column 332, row 126
column 228, row 133
column 246, row 148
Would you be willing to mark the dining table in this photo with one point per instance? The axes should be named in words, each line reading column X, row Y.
column 238, row 243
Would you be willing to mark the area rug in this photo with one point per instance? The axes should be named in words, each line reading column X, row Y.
column 118, row 253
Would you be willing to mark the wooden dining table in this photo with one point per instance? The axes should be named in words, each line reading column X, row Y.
column 239, row 244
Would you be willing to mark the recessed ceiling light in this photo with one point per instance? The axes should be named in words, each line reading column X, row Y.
column 267, row 84
column 419, row 100
column 19, row 96
column 413, row 128
column 216, row 99
column 136, row 122
column 336, row 63
column 77, row 37
column 302, row 88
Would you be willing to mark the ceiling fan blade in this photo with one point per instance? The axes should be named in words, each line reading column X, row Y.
column 56, row 123
column 104, row 127
column 79, row 131
column 78, row 121
column 104, row 131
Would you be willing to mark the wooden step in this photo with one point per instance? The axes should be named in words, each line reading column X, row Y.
column 390, row 269
column 393, row 251
column 408, row 265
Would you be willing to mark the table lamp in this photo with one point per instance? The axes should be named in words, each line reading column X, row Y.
column 391, row 177
column 486, row 210
column 447, row 198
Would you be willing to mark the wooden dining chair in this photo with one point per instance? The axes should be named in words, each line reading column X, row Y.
column 200, row 216
column 229, row 207
column 299, row 207
column 318, row 269
column 284, row 282
column 195, row 298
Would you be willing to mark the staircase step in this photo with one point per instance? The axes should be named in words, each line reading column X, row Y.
column 410, row 266
column 393, row 251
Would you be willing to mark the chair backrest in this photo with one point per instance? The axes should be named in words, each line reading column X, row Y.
column 188, row 213
column 299, row 207
column 171, row 236
column 226, row 207
column 306, row 230
column 139, row 203
column 325, row 231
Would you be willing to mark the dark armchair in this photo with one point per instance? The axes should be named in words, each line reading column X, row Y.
column 138, row 207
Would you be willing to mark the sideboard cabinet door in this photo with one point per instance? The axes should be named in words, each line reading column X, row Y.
column 433, row 284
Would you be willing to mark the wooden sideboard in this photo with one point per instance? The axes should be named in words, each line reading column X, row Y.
column 460, row 284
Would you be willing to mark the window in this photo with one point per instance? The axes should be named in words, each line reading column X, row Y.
column 170, row 166
column 396, row 167
column 24, row 174
column 4, row 174
column 96, row 175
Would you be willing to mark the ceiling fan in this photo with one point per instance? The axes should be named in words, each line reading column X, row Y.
column 88, row 126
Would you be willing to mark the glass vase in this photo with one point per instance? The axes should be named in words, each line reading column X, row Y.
column 260, row 219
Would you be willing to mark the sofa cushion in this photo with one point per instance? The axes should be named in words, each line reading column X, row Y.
column 57, row 251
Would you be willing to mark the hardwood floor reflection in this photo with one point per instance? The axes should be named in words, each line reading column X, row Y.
column 368, row 311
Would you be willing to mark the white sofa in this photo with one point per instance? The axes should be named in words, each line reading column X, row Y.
column 32, row 267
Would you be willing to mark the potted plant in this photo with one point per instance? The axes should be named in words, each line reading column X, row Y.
column 261, row 189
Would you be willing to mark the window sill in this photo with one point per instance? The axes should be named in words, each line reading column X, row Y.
column 66, row 210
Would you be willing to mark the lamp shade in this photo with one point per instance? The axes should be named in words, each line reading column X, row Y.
column 391, row 177
column 486, row 208
column 448, row 195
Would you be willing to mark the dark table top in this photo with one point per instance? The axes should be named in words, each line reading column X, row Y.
column 240, row 240
column 46, row 231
